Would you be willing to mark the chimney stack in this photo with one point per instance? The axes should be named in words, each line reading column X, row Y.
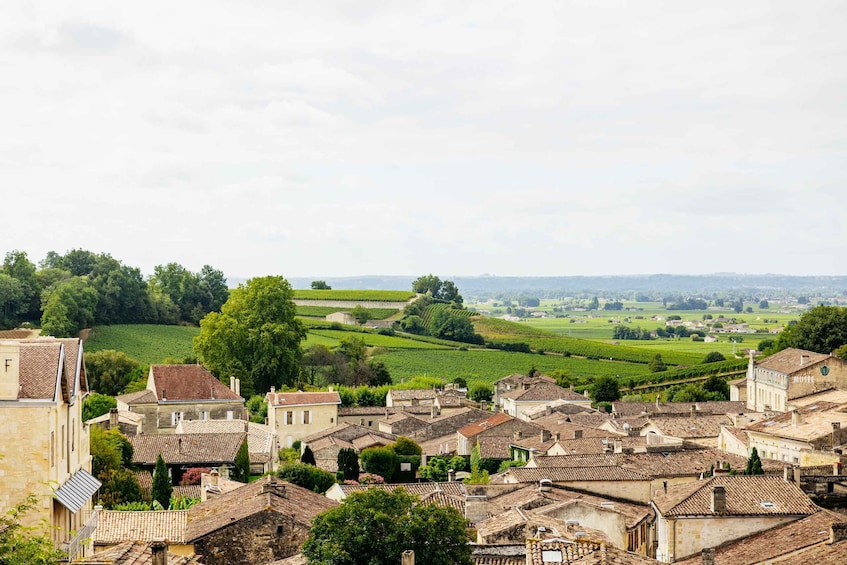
column 113, row 418
column 719, row 500
column 796, row 418
column 518, row 435
column 159, row 549
column 804, row 358
column 787, row 474
column 618, row 446
column 577, row 434
column 408, row 557
column 708, row 556
column 545, row 435
column 693, row 410
column 836, row 469
column 451, row 475
column 837, row 532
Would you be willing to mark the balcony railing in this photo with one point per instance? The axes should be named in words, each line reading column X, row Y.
column 80, row 539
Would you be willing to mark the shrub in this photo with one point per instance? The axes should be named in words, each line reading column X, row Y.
column 307, row 476
column 192, row 475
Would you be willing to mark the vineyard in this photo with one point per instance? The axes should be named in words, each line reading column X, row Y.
column 379, row 340
column 433, row 308
column 323, row 311
column 496, row 330
column 489, row 366
column 144, row 343
column 355, row 295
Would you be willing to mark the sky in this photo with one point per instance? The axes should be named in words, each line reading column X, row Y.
column 404, row 138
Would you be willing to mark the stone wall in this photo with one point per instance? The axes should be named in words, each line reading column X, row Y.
column 256, row 540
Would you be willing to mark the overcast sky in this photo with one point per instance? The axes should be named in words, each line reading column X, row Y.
column 457, row 138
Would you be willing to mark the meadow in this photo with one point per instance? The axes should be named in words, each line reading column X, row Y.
column 145, row 343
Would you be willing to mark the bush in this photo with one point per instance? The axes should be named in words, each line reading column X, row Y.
column 192, row 475
column 380, row 461
column 481, row 392
column 307, row 476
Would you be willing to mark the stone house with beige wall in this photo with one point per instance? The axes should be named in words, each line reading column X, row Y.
column 44, row 444
column 708, row 513
column 295, row 415
column 183, row 392
column 805, row 436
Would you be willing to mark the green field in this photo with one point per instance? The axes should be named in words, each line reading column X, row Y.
column 324, row 311
column 144, row 343
column 488, row 365
column 355, row 295
column 379, row 340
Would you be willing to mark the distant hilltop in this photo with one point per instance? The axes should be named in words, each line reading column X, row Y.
column 485, row 285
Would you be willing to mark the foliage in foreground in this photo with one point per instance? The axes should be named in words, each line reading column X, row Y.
column 22, row 545
column 375, row 527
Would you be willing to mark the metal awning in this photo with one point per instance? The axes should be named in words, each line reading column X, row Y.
column 77, row 490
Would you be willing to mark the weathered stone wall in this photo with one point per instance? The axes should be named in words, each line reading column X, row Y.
column 256, row 540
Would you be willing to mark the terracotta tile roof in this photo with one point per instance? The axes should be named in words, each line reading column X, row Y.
column 145, row 480
column 134, row 553
column 738, row 433
column 568, row 474
column 569, row 551
column 494, row 447
column 589, row 420
column 260, row 438
column 484, row 554
column 690, row 427
column 418, row 489
column 300, row 504
column 815, row 422
column 821, row 553
column 557, row 407
column 302, row 398
column 600, row 445
column 557, row 423
column 444, row 500
column 139, row 397
column 187, row 491
column 796, row 536
column 116, row 527
column 577, row 460
column 789, row 361
column 516, row 378
column 189, row 382
column 611, row 555
column 757, row 495
column 832, row 395
column 476, row 428
column 371, row 440
column 298, row 559
column 39, row 369
column 544, row 392
column 186, row 449
column 711, row 407
column 446, row 444
column 381, row 410
column 413, row 394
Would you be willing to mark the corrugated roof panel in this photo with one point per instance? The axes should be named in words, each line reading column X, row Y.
column 77, row 490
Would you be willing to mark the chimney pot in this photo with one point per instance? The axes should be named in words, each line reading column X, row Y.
column 113, row 418
column 796, row 418
column 159, row 550
column 837, row 532
column 577, row 434
column 708, row 556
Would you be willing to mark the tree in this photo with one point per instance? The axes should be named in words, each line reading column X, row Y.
column 480, row 392
column 714, row 357
column 754, row 464
column 308, row 457
column 841, row 352
column 162, row 489
column 405, row 446
column 320, row 285
column 18, row 266
column 763, row 304
column 718, row 388
column 120, row 486
column 657, row 364
column 445, row 324
column 437, row 289
column 479, row 476
column 375, row 527
column 307, row 476
column 13, row 306
column 241, row 472
column 109, row 371
column 68, row 308
column 255, row 337
column 348, row 464
column 22, row 545
column 360, row 314
column 96, row 404
column 380, row 461
column 822, row 329
column 605, row 389
column 257, row 407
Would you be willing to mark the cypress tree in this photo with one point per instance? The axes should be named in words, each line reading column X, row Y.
column 162, row 488
column 754, row 464
column 241, row 472
column 308, row 457
column 348, row 464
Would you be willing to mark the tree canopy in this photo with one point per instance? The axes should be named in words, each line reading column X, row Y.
column 605, row 389
column 437, row 289
column 255, row 337
column 822, row 329
column 375, row 527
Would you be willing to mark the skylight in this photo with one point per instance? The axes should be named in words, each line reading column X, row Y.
column 767, row 504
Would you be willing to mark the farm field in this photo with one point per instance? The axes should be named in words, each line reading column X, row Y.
column 144, row 343
column 353, row 295
column 323, row 311
column 488, row 365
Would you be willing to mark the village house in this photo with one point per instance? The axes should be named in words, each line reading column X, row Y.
column 805, row 436
column 527, row 396
column 117, row 527
column 295, row 415
column 261, row 440
column 517, row 381
column 44, row 445
column 326, row 443
column 501, row 426
column 183, row 392
column 705, row 514
column 184, row 451
column 370, row 416
column 445, row 401
column 776, row 381
column 258, row 523
column 139, row 553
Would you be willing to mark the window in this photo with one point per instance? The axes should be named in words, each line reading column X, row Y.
column 64, row 441
column 73, row 435
column 176, row 418
column 229, row 414
column 52, row 449
column 289, row 418
column 204, row 415
column 307, row 417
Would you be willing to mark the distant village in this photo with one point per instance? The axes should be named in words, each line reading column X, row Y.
column 650, row 482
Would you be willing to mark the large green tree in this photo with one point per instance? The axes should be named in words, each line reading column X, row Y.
column 109, row 371
column 822, row 329
column 255, row 337
column 68, row 307
column 375, row 527
column 605, row 389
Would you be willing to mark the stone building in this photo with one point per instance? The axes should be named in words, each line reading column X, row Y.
column 183, row 392
column 256, row 524
column 44, row 444
column 295, row 415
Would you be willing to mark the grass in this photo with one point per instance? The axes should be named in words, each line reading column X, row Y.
column 355, row 295
column 144, row 343
column 323, row 311
column 488, row 365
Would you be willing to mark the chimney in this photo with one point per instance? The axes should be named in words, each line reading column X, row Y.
column 113, row 418
column 708, row 556
column 273, row 389
column 837, row 532
column 545, row 435
column 518, row 434
column 571, row 388
column 804, row 358
column 665, row 486
column 159, row 549
column 836, row 469
column 719, row 500
column 451, row 475
column 557, row 436
column 796, row 418
column 577, row 434
column 272, row 486
column 798, row 475
column 408, row 557
column 787, row 474
column 164, row 396
column 693, row 410
column 618, row 446
column 213, row 477
column 548, row 409
column 545, row 485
